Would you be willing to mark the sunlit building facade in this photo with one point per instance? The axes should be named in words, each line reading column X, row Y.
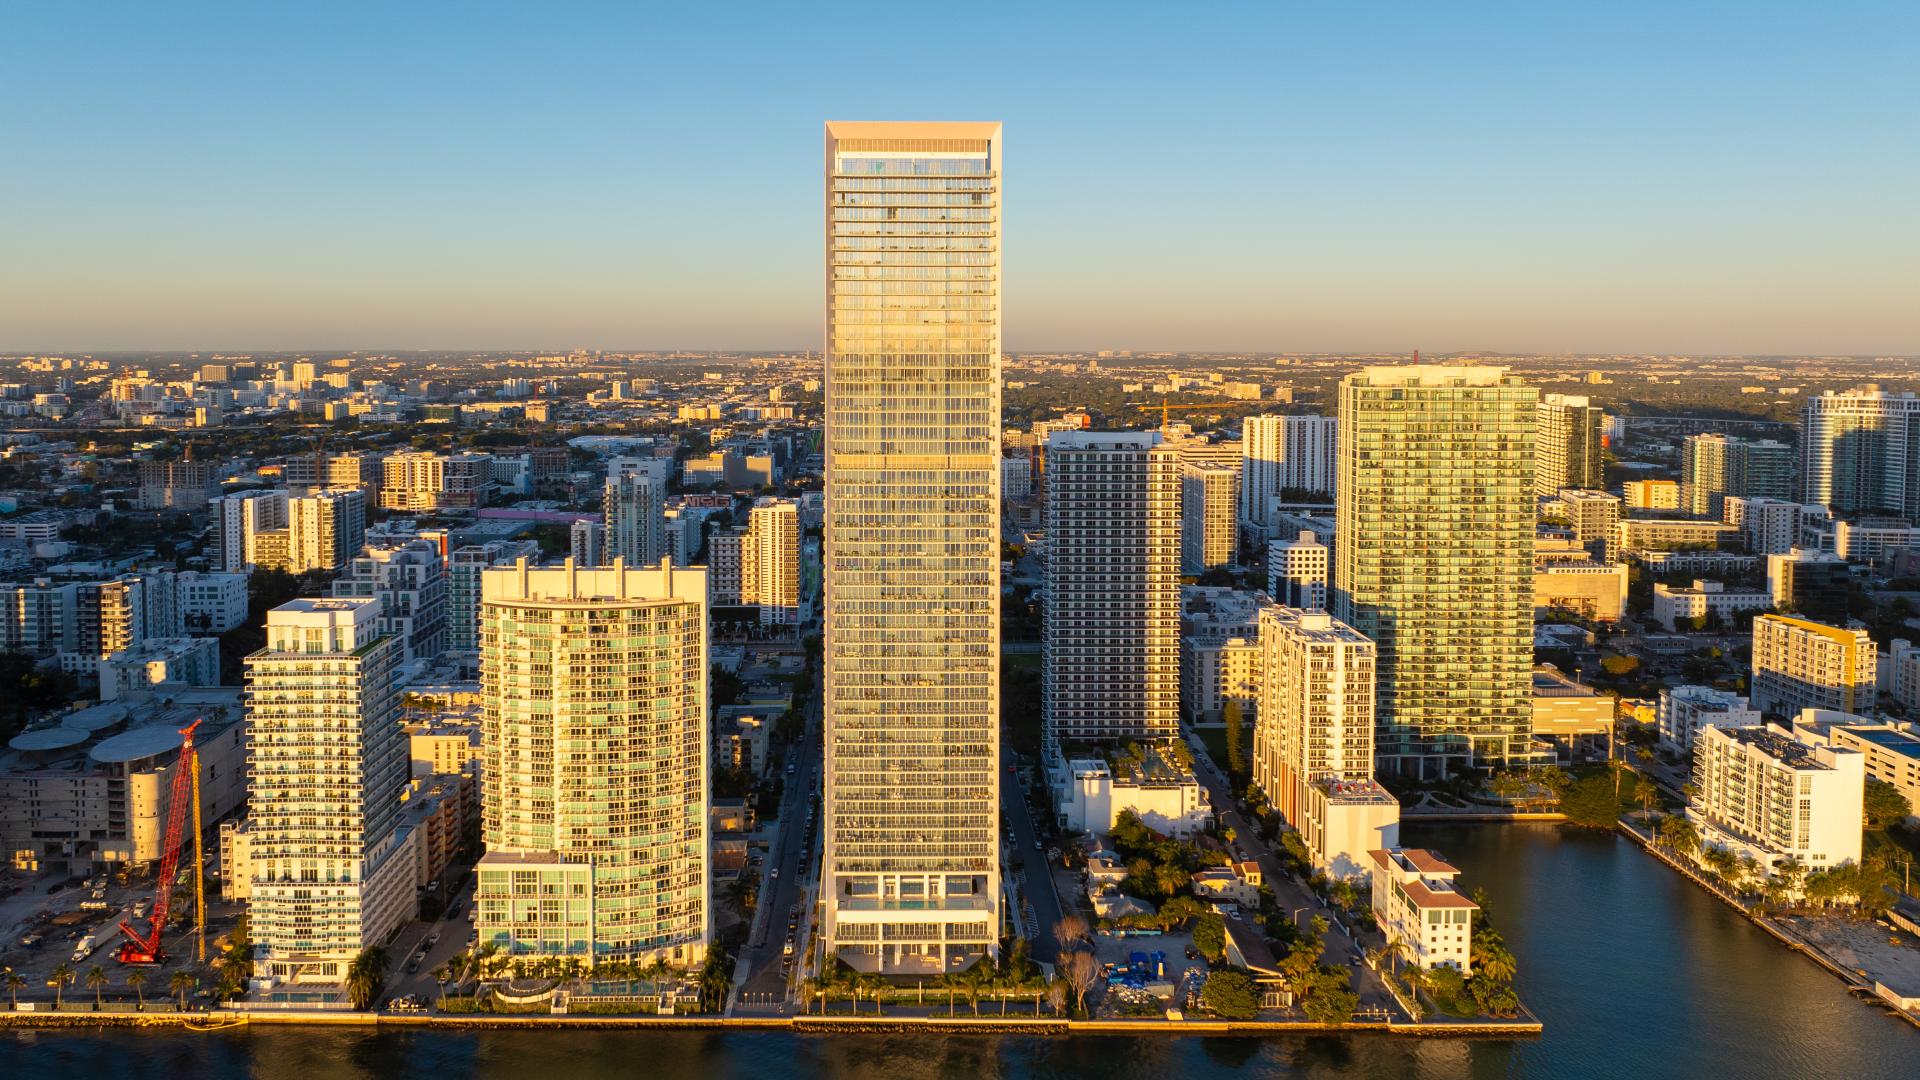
column 594, row 762
column 1433, row 558
column 910, row 874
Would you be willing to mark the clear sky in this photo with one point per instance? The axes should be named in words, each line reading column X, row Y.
column 1543, row 176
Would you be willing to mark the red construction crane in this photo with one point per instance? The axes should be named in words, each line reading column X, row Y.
column 146, row 948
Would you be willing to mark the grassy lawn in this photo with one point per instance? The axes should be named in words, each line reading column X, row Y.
column 1215, row 740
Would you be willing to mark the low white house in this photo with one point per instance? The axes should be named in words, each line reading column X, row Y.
column 1167, row 798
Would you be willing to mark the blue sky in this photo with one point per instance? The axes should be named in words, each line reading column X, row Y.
column 1521, row 177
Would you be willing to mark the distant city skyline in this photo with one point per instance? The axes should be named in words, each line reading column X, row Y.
column 1705, row 179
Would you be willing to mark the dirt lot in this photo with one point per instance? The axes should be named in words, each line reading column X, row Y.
column 1884, row 954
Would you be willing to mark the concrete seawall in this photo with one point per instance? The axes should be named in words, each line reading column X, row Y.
column 805, row 1025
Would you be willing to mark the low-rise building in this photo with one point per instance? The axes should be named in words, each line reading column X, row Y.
column 1570, row 717
column 1340, row 820
column 1415, row 900
column 1891, row 750
column 174, row 662
column 1092, row 794
column 1709, row 602
column 1684, row 711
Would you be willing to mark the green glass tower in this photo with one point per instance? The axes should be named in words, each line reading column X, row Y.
column 1434, row 559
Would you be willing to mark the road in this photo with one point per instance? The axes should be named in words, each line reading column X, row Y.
column 765, row 985
column 1289, row 892
column 1037, row 884
column 454, row 931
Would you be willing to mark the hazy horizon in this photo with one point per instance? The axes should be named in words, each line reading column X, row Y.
column 1717, row 179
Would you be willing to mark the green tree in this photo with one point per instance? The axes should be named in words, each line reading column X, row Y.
column 1646, row 792
column 1230, row 993
column 1332, row 1000
column 1236, row 738
column 16, row 982
column 366, row 977
column 138, row 979
column 96, row 982
column 180, row 985
column 1591, row 802
column 1620, row 666
column 60, row 978
column 1210, row 936
column 1884, row 805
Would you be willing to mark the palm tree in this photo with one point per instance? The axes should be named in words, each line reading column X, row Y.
column 1497, row 963
column 96, row 982
column 366, row 976
column 60, row 978
column 181, row 984
column 16, row 982
column 1394, row 951
column 1416, row 980
column 876, row 985
column 138, row 979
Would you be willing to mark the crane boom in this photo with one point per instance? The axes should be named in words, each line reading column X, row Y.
column 185, row 788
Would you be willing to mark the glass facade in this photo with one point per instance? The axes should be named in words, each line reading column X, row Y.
column 1433, row 558
column 911, row 576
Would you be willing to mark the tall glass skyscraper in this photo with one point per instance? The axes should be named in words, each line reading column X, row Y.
column 911, row 875
column 1433, row 558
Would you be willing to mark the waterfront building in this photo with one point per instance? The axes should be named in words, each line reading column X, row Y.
column 1110, row 666
column 595, row 762
column 331, row 873
column 1684, row 711
column 1567, row 445
column 1433, row 558
column 1297, row 571
column 910, row 871
column 1313, row 738
column 1860, row 452
column 1209, row 509
column 1801, row 664
column 1891, row 750
column 1774, row 795
column 1571, row 717
column 1283, row 454
column 1416, row 901
column 410, row 580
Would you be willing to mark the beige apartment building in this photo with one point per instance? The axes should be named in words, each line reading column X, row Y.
column 595, row 762
column 910, row 874
column 1800, row 664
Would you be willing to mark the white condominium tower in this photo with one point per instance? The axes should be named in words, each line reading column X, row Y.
column 1316, row 704
column 594, row 762
column 328, row 762
column 1433, row 558
column 911, row 869
column 635, row 510
column 770, row 568
column 1860, row 451
column 1567, row 451
column 1283, row 452
column 1111, row 650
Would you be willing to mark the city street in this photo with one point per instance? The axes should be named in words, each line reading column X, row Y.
column 765, row 985
column 1037, row 882
column 1299, row 901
